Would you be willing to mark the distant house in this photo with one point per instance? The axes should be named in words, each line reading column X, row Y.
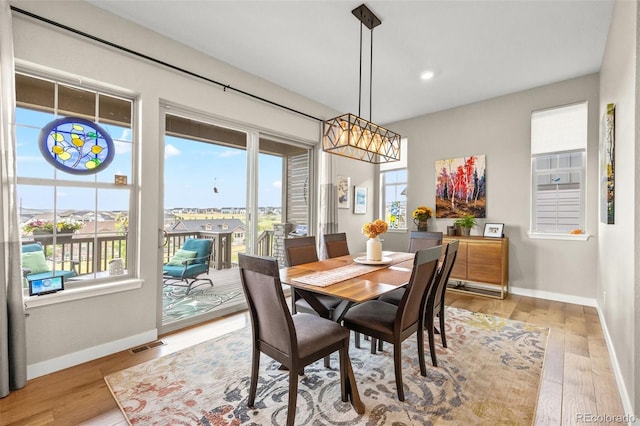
column 237, row 228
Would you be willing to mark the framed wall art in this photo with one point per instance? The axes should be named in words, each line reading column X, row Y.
column 607, row 166
column 461, row 187
column 344, row 196
column 360, row 200
column 493, row 230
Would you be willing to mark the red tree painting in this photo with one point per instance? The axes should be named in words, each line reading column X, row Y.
column 461, row 187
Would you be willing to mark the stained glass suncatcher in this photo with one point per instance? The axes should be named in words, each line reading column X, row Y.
column 75, row 145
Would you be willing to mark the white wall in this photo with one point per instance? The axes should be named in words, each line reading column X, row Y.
column 618, row 287
column 500, row 129
column 361, row 174
column 67, row 333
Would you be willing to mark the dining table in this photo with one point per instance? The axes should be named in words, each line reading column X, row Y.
column 354, row 279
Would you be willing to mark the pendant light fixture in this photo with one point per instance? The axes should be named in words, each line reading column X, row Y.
column 351, row 135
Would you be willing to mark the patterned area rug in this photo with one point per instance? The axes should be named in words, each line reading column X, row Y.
column 490, row 374
column 178, row 305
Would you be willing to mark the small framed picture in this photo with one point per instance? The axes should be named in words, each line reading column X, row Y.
column 360, row 200
column 494, row 230
column 344, row 197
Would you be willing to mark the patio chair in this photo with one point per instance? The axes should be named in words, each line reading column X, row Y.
column 188, row 263
column 35, row 266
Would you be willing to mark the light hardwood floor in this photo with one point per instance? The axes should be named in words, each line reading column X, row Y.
column 577, row 378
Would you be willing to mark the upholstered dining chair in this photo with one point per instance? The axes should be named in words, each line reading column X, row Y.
column 299, row 251
column 419, row 240
column 394, row 324
column 435, row 300
column 294, row 341
column 336, row 245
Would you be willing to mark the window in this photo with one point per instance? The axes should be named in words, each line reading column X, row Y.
column 558, row 155
column 394, row 198
column 99, row 208
column 393, row 190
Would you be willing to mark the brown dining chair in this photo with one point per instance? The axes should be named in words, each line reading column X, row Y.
column 435, row 301
column 293, row 340
column 336, row 245
column 419, row 240
column 299, row 251
column 394, row 324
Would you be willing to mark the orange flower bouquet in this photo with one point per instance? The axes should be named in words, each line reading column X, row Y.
column 375, row 228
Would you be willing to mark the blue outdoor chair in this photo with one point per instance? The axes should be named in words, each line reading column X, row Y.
column 188, row 263
column 35, row 265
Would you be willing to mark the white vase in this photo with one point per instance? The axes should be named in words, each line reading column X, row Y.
column 374, row 249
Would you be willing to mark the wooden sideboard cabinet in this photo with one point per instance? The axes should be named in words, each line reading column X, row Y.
column 483, row 261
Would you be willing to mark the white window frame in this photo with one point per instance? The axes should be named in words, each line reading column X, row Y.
column 395, row 166
column 103, row 285
column 559, row 136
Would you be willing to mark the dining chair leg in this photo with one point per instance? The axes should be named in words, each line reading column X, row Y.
column 373, row 345
column 327, row 361
column 444, row 338
column 255, row 367
column 430, row 332
column 343, row 355
column 421, row 361
column 357, row 340
column 380, row 344
column 397, row 363
column 293, row 397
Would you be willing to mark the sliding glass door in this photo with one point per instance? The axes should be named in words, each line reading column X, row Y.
column 240, row 189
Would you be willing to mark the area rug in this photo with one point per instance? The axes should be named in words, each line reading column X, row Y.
column 489, row 374
column 178, row 305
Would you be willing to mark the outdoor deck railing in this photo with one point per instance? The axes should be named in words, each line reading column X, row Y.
column 89, row 254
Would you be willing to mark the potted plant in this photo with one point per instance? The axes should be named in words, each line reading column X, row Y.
column 421, row 216
column 465, row 224
column 37, row 226
column 68, row 226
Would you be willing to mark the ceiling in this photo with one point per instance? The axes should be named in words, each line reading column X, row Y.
column 477, row 49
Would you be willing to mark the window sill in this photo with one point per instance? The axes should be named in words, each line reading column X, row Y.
column 566, row 237
column 82, row 293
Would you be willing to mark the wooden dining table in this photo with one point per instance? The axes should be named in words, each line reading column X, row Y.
column 354, row 281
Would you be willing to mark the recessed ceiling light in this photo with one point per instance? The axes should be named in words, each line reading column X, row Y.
column 427, row 75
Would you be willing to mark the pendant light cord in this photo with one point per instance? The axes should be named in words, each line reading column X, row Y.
column 370, row 77
column 360, row 75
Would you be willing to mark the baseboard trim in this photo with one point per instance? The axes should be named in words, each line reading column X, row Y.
column 585, row 301
column 89, row 354
column 558, row 297
column 622, row 390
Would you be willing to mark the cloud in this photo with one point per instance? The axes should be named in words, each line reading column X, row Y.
column 277, row 184
column 122, row 147
column 126, row 135
column 171, row 151
column 229, row 153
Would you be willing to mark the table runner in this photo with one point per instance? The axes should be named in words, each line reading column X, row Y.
column 342, row 273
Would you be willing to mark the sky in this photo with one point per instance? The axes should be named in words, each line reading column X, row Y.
column 192, row 170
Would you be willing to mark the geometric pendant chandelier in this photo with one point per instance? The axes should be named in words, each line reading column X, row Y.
column 352, row 136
